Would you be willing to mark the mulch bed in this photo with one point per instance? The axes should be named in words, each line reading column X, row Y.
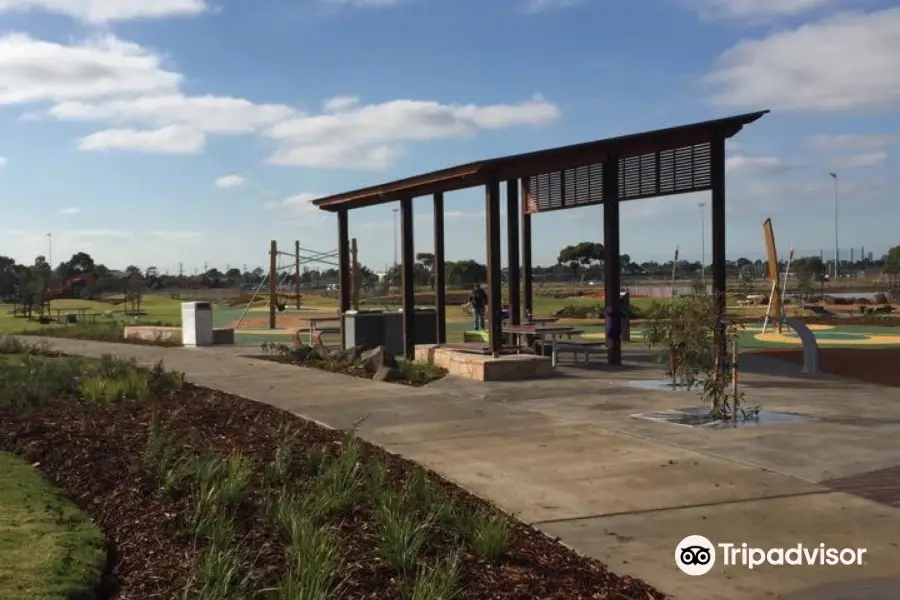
column 90, row 451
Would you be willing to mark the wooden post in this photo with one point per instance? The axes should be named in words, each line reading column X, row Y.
column 273, row 282
column 494, row 291
column 512, row 243
column 526, row 274
column 612, row 266
column 344, row 262
column 355, row 274
column 297, row 271
column 717, row 180
column 407, row 262
column 440, row 278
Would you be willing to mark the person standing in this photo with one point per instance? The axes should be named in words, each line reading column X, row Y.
column 479, row 300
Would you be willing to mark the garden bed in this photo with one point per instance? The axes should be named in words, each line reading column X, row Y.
column 229, row 498
column 362, row 361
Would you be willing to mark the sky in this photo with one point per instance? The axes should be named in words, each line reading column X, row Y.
column 184, row 133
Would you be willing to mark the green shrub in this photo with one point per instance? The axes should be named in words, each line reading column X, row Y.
column 223, row 574
column 279, row 469
column 401, row 536
column 312, row 571
column 162, row 458
column 439, row 581
column 161, row 380
column 488, row 532
column 580, row 311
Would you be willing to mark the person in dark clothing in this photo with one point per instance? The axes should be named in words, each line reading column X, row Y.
column 478, row 299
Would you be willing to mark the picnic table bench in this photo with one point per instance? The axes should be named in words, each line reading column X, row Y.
column 579, row 347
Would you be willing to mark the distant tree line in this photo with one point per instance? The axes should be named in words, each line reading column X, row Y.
column 82, row 277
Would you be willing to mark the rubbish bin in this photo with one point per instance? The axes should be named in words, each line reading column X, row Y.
column 196, row 324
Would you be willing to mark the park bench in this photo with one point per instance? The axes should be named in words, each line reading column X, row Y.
column 580, row 347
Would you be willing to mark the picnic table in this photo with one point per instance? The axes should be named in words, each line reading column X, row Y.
column 316, row 330
column 79, row 312
column 543, row 332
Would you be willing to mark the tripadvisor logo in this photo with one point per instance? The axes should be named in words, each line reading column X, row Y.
column 696, row 555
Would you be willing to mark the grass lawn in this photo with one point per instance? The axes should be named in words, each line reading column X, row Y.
column 49, row 550
column 213, row 497
column 159, row 309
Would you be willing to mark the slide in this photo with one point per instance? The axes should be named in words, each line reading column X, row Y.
column 66, row 286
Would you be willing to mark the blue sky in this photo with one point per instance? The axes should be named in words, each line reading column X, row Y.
column 181, row 131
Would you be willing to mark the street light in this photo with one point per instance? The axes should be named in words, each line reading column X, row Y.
column 837, row 257
column 50, row 250
column 702, row 205
column 396, row 211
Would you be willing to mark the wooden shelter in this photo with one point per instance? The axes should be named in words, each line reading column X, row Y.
column 677, row 160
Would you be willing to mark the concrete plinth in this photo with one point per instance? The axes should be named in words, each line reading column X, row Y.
column 153, row 333
column 485, row 368
column 224, row 336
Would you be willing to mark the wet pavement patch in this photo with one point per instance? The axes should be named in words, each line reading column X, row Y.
column 666, row 385
column 698, row 416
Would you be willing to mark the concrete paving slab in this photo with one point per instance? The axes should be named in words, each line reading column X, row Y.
column 564, row 471
column 643, row 544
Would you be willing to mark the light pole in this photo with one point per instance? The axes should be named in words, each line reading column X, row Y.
column 396, row 211
column 702, row 206
column 50, row 251
column 837, row 257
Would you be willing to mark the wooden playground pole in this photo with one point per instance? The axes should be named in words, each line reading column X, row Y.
column 355, row 274
column 297, row 271
column 273, row 282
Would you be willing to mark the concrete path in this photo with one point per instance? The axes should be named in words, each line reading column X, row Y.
column 564, row 455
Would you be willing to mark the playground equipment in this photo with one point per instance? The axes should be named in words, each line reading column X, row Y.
column 278, row 274
column 44, row 296
column 776, row 310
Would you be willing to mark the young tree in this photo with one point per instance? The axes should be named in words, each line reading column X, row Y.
column 684, row 332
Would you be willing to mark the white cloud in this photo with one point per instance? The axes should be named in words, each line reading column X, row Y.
column 177, row 235
column 847, row 63
column 3, row 162
column 368, row 3
column 175, row 139
column 72, row 210
column 39, row 71
column 757, row 9
column 868, row 159
column 103, row 11
column 297, row 204
column 123, row 85
column 141, row 105
column 540, row 6
column 858, row 142
column 350, row 135
column 230, row 181
column 210, row 114
column 340, row 103
column 100, row 233
column 756, row 164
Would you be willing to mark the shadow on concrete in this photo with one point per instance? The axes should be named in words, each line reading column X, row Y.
column 875, row 589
